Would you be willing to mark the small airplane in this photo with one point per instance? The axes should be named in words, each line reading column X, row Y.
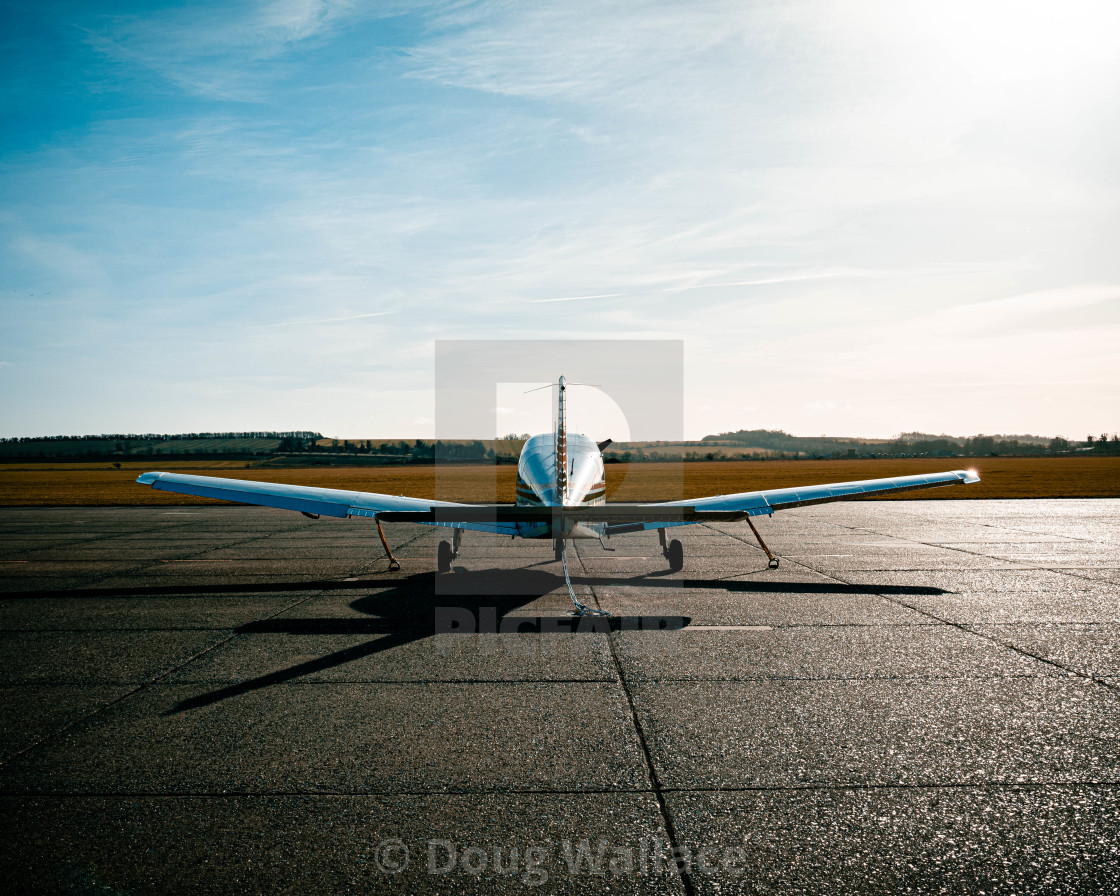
column 561, row 494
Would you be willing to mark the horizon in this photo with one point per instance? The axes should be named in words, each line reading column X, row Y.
column 883, row 218
column 203, row 434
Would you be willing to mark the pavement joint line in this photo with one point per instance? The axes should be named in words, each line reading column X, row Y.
column 651, row 770
column 415, row 681
column 320, row 682
column 964, row 627
column 967, row 629
column 1020, row 531
column 137, row 568
column 1012, row 565
column 1069, row 571
column 811, row 678
column 1102, row 681
column 871, row 589
column 95, row 539
column 941, row 785
column 158, row 528
column 1019, row 566
column 541, row 791
column 328, row 620
column 269, row 794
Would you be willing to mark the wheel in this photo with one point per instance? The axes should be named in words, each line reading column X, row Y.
column 675, row 555
column 443, row 556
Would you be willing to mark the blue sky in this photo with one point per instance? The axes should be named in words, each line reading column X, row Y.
column 861, row 217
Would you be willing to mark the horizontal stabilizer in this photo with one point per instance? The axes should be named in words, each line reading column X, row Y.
column 588, row 513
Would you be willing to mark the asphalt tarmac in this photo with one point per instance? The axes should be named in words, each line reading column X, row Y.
column 923, row 698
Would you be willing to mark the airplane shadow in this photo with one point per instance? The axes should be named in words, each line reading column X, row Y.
column 421, row 605
column 407, row 608
column 479, row 581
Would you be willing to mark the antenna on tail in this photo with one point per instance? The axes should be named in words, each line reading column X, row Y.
column 561, row 447
column 561, row 435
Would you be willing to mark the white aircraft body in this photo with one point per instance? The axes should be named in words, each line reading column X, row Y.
column 561, row 494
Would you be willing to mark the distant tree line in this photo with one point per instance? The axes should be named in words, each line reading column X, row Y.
column 165, row 437
column 418, row 451
column 742, row 444
column 1103, row 444
column 913, row 445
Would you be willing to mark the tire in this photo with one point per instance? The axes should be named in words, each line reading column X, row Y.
column 676, row 555
column 443, row 556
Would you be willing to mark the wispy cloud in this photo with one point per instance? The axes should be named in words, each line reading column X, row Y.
column 325, row 320
column 217, row 53
column 606, row 295
column 547, row 51
column 793, row 278
column 1016, row 309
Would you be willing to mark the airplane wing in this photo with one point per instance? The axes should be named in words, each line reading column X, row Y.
column 317, row 501
column 744, row 504
column 503, row 519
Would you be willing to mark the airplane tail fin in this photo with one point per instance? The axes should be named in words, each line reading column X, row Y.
column 561, row 447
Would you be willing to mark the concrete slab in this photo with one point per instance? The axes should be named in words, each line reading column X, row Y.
column 304, row 649
column 905, row 732
column 1017, row 607
column 823, row 841
column 795, row 606
column 816, row 652
column 31, row 713
column 269, row 737
column 1091, row 649
column 109, row 612
column 97, row 657
column 591, row 843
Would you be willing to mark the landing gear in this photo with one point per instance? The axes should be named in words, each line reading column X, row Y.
column 773, row 564
column 675, row 554
column 393, row 564
column 448, row 551
column 673, row 551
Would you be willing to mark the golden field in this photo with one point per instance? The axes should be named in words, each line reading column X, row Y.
column 91, row 484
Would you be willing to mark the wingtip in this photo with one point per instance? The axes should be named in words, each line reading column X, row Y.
column 148, row 478
column 969, row 476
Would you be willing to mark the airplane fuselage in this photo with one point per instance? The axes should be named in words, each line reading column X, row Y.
column 560, row 469
column 540, row 482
